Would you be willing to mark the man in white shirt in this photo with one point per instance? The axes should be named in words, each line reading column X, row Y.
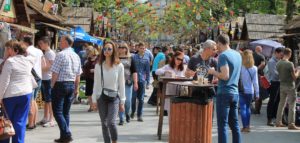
column 38, row 54
column 44, row 44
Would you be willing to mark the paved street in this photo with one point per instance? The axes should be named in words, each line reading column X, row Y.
column 86, row 129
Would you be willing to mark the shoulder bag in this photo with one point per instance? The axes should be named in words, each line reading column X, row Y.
column 108, row 95
column 6, row 128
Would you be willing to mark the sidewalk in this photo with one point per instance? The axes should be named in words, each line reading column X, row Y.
column 86, row 129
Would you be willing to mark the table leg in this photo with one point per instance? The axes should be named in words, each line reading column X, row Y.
column 161, row 113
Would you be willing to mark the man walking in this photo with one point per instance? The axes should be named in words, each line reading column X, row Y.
column 287, row 76
column 142, row 64
column 66, row 71
column 228, row 73
column 275, row 85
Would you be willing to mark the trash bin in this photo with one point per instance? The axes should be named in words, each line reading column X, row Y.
column 190, row 120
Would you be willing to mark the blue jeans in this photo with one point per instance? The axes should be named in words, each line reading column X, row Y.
column 245, row 111
column 139, row 94
column 227, row 113
column 17, row 109
column 128, row 93
column 62, row 95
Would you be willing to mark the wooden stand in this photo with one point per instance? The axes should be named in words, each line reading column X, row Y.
column 190, row 123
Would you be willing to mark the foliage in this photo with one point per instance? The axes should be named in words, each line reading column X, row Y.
column 182, row 17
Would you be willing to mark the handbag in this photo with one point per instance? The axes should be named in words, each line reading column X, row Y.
column 264, row 82
column 6, row 128
column 108, row 95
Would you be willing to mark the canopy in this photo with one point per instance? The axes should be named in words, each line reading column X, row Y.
column 268, row 46
column 80, row 35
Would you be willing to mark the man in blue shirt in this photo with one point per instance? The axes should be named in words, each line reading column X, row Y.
column 228, row 73
column 142, row 64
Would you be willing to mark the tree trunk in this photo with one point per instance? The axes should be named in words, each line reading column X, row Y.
column 290, row 9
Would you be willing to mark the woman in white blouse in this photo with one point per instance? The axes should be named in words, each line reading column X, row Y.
column 16, row 84
column 109, row 90
column 175, row 69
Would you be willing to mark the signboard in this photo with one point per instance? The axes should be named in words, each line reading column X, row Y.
column 8, row 9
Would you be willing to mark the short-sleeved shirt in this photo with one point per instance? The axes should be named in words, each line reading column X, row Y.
column 233, row 60
column 197, row 62
column 129, row 67
column 285, row 68
column 49, row 56
column 37, row 54
column 158, row 58
column 258, row 59
column 67, row 65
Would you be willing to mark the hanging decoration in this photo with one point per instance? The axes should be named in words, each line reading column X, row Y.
column 125, row 10
column 198, row 16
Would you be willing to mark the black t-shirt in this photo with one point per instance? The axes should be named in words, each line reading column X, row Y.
column 258, row 59
column 196, row 63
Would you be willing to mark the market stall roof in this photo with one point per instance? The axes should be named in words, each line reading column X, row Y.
column 80, row 35
column 78, row 16
column 23, row 28
column 56, row 26
column 262, row 26
column 38, row 7
column 294, row 24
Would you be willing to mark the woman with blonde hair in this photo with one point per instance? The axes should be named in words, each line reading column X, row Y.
column 88, row 70
column 130, row 76
column 109, row 90
column 249, row 82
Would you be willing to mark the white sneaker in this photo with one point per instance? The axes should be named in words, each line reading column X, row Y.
column 49, row 124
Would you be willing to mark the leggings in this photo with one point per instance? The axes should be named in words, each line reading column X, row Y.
column 245, row 111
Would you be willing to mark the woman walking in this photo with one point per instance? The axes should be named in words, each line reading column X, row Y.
column 130, row 79
column 88, row 70
column 109, row 90
column 16, row 84
column 249, row 79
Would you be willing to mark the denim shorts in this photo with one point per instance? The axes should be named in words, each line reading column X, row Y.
column 46, row 90
column 36, row 90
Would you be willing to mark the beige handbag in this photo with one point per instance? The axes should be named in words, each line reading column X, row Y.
column 6, row 128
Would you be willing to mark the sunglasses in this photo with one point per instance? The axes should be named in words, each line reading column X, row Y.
column 179, row 59
column 107, row 49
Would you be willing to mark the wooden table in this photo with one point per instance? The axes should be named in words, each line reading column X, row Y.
column 165, row 80
column 191, row 117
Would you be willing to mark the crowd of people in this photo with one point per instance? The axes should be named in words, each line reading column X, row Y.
column 117, row 74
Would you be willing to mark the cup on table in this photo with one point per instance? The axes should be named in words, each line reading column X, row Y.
column 200, row 79
column 205, row 80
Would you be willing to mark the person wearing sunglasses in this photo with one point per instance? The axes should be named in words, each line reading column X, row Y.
column 130, row 79
column 109, row 90
column 174, row 68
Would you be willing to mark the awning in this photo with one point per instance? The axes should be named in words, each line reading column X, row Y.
column 80, row 35
column 56, row 27
column 23, row 28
